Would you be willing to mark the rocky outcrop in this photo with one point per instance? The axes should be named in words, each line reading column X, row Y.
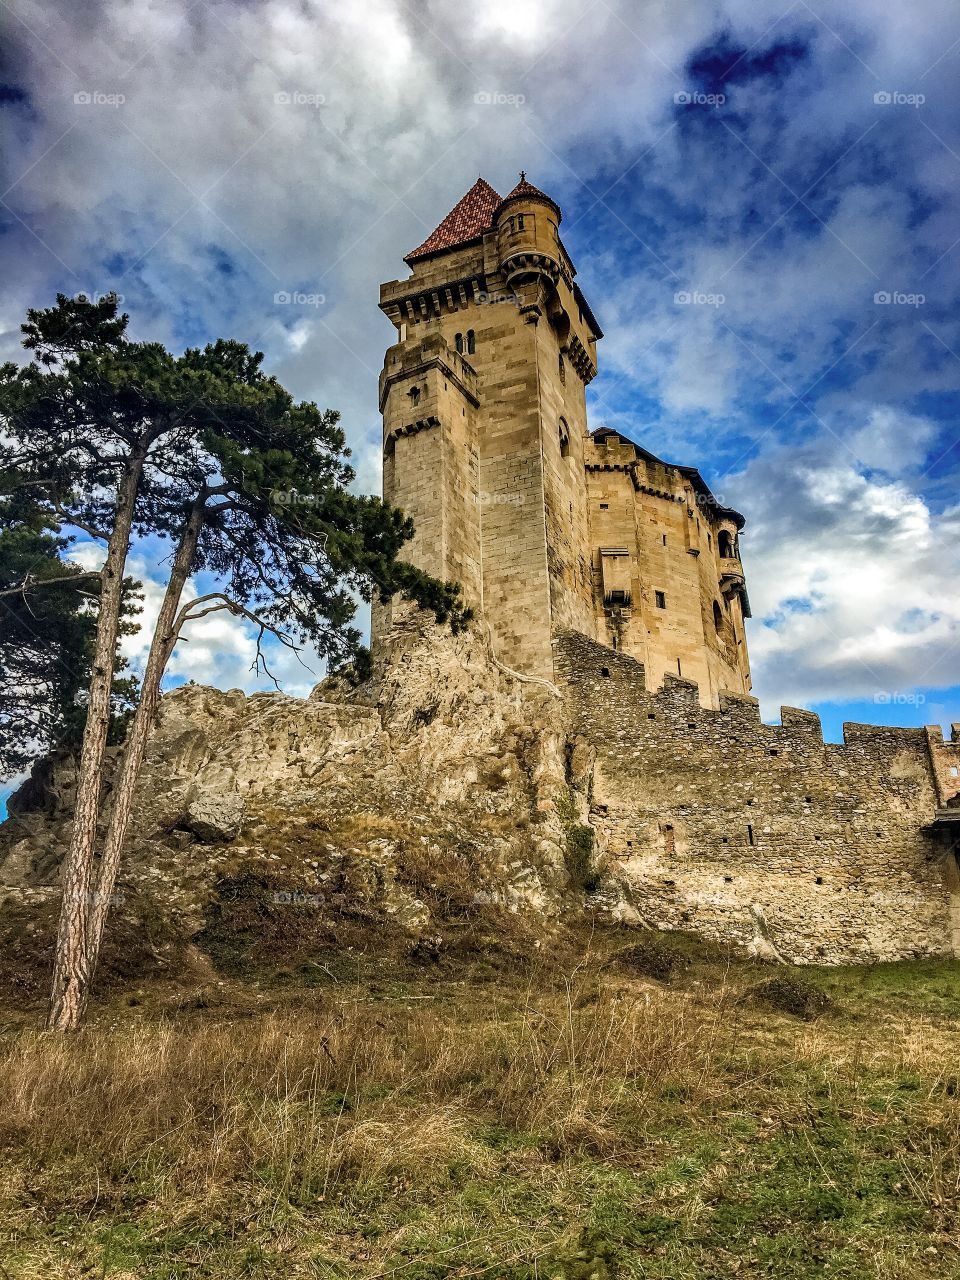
column 435, row 780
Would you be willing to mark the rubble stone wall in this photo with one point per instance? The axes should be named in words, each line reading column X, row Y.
column 763, row 835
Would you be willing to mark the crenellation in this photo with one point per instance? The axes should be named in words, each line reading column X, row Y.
column 707, row 813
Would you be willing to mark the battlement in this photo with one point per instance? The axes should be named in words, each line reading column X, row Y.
column 603, row 677
column 711, row 813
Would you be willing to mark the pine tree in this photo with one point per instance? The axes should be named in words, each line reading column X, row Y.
column 124, row 439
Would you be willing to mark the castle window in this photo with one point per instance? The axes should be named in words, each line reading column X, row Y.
column 717, row 616
column 471, row 343
column 458, row 341
column 605, row 671
column 604, row 506
column 954, row 771
column 664, row 539
column 660, row 599
column 562, row 369
column 725, row 545
column 564, row 437
column 749, row 834
column 520, row 222
column 414, row 394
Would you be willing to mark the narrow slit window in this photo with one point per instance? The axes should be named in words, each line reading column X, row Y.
column 660, row 599
column 471, row 342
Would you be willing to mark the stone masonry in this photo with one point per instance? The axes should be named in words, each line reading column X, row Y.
column 713, row 822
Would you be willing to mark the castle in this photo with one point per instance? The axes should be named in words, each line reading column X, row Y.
column 591, row 744
column 611, row 574
column 546, row 526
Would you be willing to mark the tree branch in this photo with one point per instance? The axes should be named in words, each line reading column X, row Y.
column 31, row 581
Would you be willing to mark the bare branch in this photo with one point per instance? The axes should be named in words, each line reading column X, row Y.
column 30, row 581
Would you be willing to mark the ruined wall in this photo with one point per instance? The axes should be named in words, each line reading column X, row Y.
column 724, row 826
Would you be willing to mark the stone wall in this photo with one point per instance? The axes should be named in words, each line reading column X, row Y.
column 763, row 835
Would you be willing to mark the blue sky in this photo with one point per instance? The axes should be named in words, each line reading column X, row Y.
column 792, row 170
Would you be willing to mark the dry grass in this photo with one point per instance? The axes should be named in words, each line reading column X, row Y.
column 453, row 1130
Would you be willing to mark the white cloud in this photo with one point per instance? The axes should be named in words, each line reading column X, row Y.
column 201, row 196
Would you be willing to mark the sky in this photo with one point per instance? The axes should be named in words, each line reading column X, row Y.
column 761, row 200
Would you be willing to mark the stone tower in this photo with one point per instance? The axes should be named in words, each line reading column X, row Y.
column 546, row 527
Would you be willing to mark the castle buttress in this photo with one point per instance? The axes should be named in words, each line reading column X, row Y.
column 547, row 527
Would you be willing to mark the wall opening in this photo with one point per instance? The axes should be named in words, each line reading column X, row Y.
column 458, row 343
column 660, row 599
column 749, row 833
column 471, row 342
column 564, row 432
column 717, row 616
column 725, row 545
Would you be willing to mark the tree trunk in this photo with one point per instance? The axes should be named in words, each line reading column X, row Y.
column 162, row 645
column 70, row 972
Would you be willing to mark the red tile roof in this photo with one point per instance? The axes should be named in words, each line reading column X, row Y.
column 525, row 188
column 466, row 221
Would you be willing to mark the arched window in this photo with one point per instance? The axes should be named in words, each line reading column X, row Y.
column 717, row 616
column 725, row 544
column 458, row 340
column 564, row 439
column 471, row 343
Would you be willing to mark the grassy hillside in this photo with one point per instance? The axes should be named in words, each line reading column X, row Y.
column 597, row 1105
